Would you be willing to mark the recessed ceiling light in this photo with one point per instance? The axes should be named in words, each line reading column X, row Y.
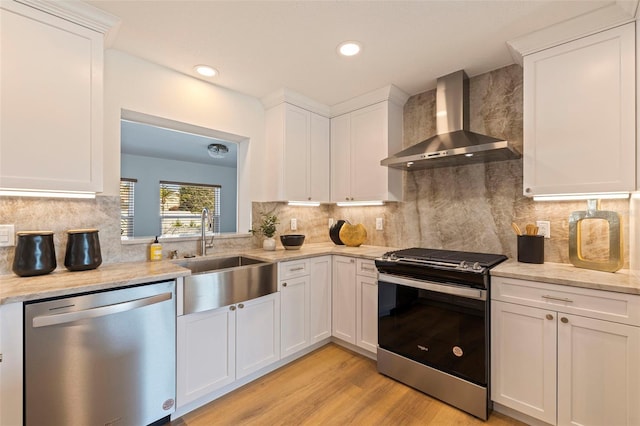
column 206, row 70
column 349, row 48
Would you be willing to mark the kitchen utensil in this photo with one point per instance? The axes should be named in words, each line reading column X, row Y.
column 83, row 250
column 34, row 254
column 516, row 228
column 531, row 229
column 334, row 232
column 531, row 248
column 292, row 241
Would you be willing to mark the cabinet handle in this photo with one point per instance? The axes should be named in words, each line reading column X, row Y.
column 564, row 320
column 284, row 284
column 365, row 268
column 240, row 306
column 549, row 316
column 300, row 268
column 561, row 299
column 232, row 308
column 352, row 261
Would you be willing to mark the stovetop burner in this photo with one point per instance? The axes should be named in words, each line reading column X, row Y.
column 455, row 258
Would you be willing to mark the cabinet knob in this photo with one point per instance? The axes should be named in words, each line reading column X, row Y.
column 564, row 320
column 527, row 190
column 549, row 316
column 284, row 284
column 240, row 306
column 232, row 308
column 352, row 261
column 346, row 198
column 309, row 198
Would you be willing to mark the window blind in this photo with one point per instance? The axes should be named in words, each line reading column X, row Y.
column 127, row 206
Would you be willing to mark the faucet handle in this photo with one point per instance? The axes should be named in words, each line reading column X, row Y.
column 173, row 254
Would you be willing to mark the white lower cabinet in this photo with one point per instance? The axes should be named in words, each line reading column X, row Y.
column 217, row 347
column 11, row 365
column 355, row 302
column 305, row 291
column 565, row 355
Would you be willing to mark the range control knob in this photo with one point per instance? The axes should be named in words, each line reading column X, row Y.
column 464, row 264
column 476, row 266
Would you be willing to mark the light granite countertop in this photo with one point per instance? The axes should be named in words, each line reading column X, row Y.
column 64, row 283
column 622, row 281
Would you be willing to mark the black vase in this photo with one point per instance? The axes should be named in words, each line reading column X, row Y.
column 83, row 250
column 334, row 232
column 35, row 253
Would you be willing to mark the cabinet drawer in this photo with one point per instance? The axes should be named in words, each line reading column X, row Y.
column 294, row 268
column 606, row 305
column 367, row 268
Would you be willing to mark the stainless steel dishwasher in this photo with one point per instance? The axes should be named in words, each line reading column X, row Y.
column 105, row 358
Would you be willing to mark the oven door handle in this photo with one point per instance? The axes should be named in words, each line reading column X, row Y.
column 469, row 293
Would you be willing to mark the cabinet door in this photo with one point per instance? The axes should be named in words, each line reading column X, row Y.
column 319, row 153
column 341, row 158
column 11, row 367
column 320, row 299
column 344, row 299
column 598, row 372
column 257, row 334
column 369, row 145
column 367, row 313
column 51, row 91
column 294, row 308
column 296, row 153
column 205, row 353
column 579, row 115
column 523, row 359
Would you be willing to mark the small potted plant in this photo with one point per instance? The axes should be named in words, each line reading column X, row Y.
column 268, row 229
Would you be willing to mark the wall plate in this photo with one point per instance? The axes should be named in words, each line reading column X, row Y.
column 7, row 235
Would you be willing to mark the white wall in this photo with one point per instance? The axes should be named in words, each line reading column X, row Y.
column 150, row 171
column 134, row 84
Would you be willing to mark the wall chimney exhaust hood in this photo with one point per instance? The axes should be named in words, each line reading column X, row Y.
column 454, row 145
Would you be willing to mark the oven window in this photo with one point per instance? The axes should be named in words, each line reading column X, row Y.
column 440, row 330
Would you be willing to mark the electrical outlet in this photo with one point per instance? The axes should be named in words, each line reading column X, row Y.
column 544, row 228
column 330, row 222
column 294, row 224
column 7, row 235
column 378, row 224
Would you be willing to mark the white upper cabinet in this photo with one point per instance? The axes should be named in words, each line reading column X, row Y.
column 360, row 139
column 51, row 89
column 579, row 115
column 298, row 144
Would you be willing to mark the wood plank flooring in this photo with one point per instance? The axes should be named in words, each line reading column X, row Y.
column 330, row 386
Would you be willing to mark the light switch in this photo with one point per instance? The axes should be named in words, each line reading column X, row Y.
column 7, row 235
column 294, row 224
column 379, row 224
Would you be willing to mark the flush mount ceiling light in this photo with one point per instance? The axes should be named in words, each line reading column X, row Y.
column 349, row 48
column 206, row 70
column 217, row 150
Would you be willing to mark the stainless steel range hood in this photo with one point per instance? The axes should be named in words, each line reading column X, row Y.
column 453, row 145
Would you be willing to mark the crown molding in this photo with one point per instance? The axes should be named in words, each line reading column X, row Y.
column 612, row 15
column 389, row 93
column 295, row 98
column 79, row 13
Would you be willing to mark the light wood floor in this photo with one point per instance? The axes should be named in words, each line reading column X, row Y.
column 330, row 386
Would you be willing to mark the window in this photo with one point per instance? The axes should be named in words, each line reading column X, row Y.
column 181, row 205
column 127, row 192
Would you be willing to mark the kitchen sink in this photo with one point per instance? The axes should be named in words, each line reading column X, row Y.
column 222, row 281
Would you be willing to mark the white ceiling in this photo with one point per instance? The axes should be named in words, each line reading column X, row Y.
column 260, row 47
column 151, row 141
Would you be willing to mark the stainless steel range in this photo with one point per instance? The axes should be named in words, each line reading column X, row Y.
column 433, row 323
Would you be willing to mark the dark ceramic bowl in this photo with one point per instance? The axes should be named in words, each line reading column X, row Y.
column 292, row 241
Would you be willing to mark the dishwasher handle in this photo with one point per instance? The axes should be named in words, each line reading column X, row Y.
column 47, row 320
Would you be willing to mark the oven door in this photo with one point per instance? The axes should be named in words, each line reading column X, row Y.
column 439, row 325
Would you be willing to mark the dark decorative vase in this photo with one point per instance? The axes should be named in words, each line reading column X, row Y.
column 83, row 250
column 35, row 254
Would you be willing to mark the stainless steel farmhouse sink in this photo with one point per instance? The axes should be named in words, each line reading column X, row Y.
column 221, row 281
